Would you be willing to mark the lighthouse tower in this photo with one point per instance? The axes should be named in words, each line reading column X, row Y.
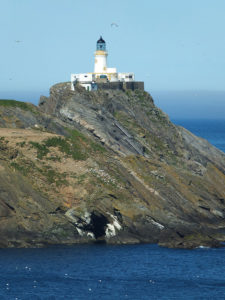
column 104, row 77
column 100, row 57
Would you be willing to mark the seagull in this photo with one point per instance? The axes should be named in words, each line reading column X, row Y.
column 18, row 41
column 114, row 24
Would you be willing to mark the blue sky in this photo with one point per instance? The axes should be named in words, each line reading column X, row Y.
column 176, row 47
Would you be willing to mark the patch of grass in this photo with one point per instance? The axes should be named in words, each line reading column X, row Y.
column 28, row 168
column 15, row 103
column 97, row 147
column 21, row 144
column 3, row 140
column 78, row 155
column 42, row 150
column 50, row 175
column 141, row 95
column 75, row 134
column 128, row 93
column 68, row 146
column 54, row 177
column 20, row 168
column 76, row 145
column 61, row 143
column 78, row 139
column 54, row 158
column 81, row 178
column 3, row 144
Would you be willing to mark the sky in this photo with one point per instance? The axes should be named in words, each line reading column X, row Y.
column 176, row 47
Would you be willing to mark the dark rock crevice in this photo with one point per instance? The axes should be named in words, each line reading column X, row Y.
column 98, row 224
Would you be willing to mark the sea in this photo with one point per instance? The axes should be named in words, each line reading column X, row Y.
column 211, row 130
column 118, row 272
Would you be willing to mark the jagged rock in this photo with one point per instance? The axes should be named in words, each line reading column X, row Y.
column 106, row 166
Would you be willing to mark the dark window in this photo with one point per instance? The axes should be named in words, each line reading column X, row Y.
column 101, row 46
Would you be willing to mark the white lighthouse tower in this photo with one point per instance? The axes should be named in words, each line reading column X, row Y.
column 102, row 74
column 100, row 57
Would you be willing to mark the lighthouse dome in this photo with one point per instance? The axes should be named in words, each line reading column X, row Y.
column 101, row 40
column 101, row 44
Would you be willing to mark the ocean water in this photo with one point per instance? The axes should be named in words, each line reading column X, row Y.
column 211, row 130
column 112, row 272
column 118, row 272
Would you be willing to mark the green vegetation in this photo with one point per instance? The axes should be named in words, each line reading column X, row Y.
column 141, row 95
column 15, row 103
column 20, row 168
column 42, row 150
column 76, row 145
column 28, row 168
column 3, row 143
column 63, row 144
column 21, row 144
column 97, row 147
column 54, row 158
column 128, row 93
column 54, row 177
column 81, row 178
column 74, row 134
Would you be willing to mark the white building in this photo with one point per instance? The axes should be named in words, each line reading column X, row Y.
column 101, row 72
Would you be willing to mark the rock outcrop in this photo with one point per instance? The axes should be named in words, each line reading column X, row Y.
column 106, row 166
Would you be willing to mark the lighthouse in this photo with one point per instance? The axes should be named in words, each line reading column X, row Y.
column 104, row 77
column 100, row 57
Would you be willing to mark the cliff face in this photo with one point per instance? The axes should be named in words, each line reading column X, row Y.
column 106, row 166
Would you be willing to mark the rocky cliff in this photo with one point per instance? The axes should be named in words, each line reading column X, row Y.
column 106, row 166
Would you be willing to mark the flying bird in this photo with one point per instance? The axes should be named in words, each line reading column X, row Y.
column 18, row 41
column 114, row 24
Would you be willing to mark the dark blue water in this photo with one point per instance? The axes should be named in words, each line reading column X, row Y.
column 112, row 272
column 211, row 130
column 118, row 272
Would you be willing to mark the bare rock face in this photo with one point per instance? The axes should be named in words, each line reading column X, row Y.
column 106, row 166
